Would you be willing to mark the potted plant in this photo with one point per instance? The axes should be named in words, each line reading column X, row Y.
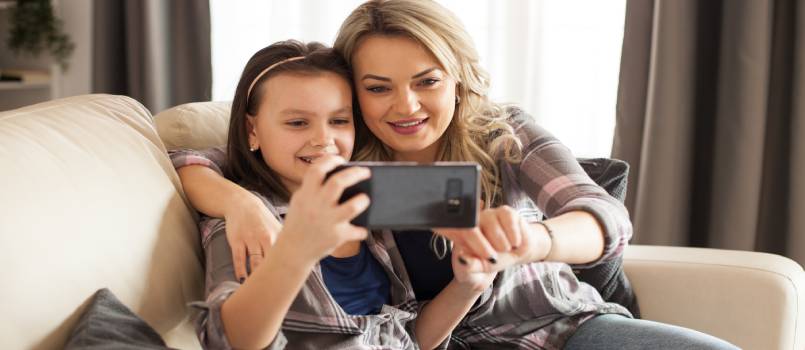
column 34, row 28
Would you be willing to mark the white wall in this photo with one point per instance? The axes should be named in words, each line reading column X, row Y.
column 558, row 59
column 77, row 17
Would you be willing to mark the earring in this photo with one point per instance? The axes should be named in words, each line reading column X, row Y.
column 253, row 148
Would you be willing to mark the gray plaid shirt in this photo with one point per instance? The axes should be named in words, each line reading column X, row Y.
column 315, row 320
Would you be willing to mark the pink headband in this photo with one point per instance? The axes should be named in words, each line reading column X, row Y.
column 251, row 86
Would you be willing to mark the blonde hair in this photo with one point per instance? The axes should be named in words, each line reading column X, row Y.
column 479, row 131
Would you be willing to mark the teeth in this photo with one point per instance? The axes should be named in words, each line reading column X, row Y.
column 309, row 159
column 409, row 124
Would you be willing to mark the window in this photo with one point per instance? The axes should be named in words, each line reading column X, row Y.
column 558, row 59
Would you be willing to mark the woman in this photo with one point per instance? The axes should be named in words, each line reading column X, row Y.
column 424, row 98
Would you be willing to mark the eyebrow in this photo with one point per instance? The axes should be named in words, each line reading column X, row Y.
column 377, row 77
column 345, row 109
column 295, row 111
column 424, row 72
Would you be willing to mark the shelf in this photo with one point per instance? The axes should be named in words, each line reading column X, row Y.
column 16, row 85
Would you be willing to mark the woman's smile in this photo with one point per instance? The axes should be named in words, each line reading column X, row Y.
column 408, row 126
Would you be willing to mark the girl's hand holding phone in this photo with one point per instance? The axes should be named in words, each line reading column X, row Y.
column 316, row 223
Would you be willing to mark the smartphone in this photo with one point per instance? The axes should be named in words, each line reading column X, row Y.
column 411, row 196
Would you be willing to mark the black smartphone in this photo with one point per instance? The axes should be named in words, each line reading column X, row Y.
column 411, row 196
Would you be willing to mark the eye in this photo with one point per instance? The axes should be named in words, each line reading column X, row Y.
column 341, row 121
column 296, row 123
column 428, row 81
column 377, row 89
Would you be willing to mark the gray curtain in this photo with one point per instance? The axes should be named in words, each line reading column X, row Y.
column 711, row 116
column 155, row 51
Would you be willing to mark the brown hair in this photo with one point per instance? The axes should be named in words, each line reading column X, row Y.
column 244, row 166
column 479, row 131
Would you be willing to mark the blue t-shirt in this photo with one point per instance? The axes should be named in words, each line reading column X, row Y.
column 428, row 274
column 358, row 283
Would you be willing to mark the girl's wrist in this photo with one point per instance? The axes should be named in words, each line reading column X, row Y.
column 470, row 289
column 292, row 253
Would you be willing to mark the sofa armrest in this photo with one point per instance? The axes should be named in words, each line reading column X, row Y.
column 753, row 300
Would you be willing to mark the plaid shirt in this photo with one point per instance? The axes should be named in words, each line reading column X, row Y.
column 537, row 305
column 550, row 180
column 314, row 320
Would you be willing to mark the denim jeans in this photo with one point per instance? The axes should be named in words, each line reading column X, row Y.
column 622, row 333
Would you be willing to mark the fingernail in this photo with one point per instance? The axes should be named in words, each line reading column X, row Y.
column 493, row 260
column 242, row 279
column 462, row 261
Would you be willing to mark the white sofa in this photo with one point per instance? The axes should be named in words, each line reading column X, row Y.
column 91, row 200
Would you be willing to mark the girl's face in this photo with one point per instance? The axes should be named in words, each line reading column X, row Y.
column 302, row 117
column 406, row 98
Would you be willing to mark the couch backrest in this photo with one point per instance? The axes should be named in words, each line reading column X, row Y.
column 89, row 199
column 196, row 125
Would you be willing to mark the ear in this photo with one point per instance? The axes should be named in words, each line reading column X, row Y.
column 251, row 130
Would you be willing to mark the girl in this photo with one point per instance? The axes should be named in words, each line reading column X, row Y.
column 423, row 96
column 291, row 123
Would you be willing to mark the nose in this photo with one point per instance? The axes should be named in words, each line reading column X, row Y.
column 322, row 136
column 407, row 102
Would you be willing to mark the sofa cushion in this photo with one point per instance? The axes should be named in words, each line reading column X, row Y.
column 197, row 125
column 753, row 300
column 91, row 200
column 609, row 277
column 108, row 324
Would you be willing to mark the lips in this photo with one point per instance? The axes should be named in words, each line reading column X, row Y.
column 408, row 126
column 312, row 157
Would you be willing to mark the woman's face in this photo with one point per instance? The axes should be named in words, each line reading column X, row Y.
column 301, row 118
column 406, row 98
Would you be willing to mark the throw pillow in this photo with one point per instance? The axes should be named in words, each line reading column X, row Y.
column 108, row 324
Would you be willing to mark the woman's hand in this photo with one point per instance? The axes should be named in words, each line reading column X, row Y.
column 501, row 239
column 251, row 230
column 316, row 223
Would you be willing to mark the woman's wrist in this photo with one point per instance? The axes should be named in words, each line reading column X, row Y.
column 242, row 201
column 542, row 242
column 551, row 239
